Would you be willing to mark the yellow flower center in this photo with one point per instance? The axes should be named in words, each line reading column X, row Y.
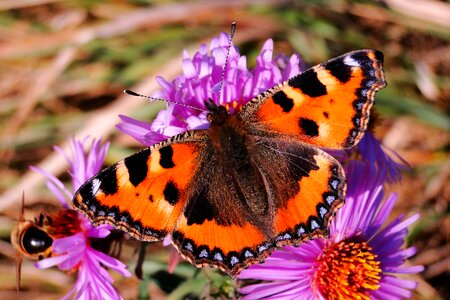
column 347, row 270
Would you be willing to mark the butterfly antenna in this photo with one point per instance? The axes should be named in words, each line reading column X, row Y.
column 131, row 93
column 230, row 43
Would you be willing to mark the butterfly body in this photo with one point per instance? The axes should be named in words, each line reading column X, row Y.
column 255, row 179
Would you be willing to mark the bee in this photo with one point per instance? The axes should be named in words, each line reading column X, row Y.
column 31, row 238
column 34, row 239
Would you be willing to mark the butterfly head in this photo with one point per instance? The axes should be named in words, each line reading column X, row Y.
column 217, row 114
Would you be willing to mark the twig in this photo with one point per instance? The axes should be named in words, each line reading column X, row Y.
column 125, row 23
column 35, row 92
column 14, row 4
column 435, row 12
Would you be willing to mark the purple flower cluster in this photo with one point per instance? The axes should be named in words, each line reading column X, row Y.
column 74, row 252
column 200, row 81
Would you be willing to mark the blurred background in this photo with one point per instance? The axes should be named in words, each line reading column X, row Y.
column 64, row 65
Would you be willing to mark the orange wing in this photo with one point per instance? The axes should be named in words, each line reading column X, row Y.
column 307, row 187
column 145, row 193
column 327, row 105
column 307, row 214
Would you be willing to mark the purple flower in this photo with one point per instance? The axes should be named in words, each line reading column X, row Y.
column 360, row 259
column 373, row 151
column 200, row 81
column 72, row 250
column 82, row 166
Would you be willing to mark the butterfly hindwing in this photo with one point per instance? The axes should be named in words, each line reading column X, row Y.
column 227, row 247
column 314, row 190
column 145, row 193
column 327, row 105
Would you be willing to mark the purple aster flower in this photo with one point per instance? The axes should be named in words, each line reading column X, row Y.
column 82, row 166
column 373, row 151
column 200, row 81
column 360, row 260
column 71, row 247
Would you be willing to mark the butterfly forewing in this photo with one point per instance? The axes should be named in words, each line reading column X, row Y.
column 327, row 105
column 145, row 193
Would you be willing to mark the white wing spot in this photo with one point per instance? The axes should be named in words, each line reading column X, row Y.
column 314, row 225
column 330, row 199
column 218, row 256
column 370, row 83
column 349, row 61
column 323, row 211
column 189, row 247
column 95, row 186
column 334, row 184
column 263, row 248
column 234, row 260
column 203, row 253
column 248, row 254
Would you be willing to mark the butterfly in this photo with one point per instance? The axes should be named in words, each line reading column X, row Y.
column 254, row 180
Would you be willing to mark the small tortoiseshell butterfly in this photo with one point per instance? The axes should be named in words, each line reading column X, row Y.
column 254, row 180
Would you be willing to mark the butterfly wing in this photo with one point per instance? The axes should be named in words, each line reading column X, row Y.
column 229, row 247
column 145, row 193
column 327, row 105
column 313, row 188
